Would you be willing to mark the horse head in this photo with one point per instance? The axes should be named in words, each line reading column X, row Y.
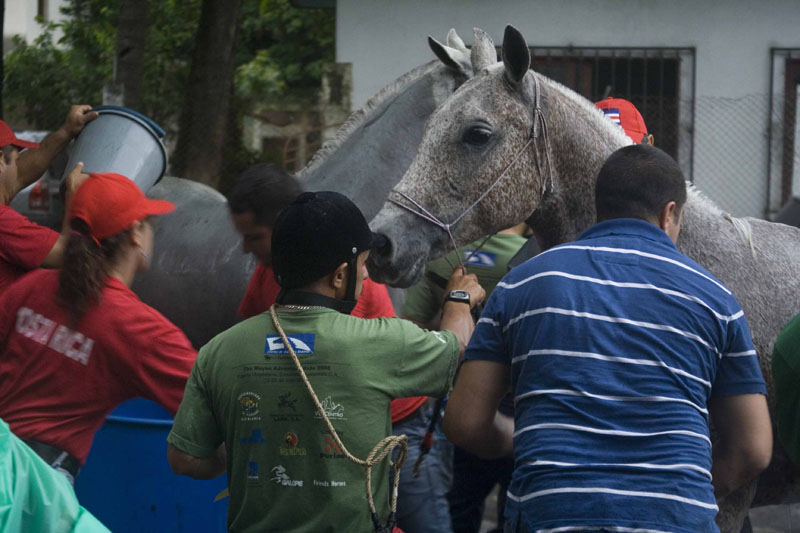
column 486, row 163
column 375, row 146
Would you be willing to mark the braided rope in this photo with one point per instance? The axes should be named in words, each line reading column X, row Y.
column 378, row 453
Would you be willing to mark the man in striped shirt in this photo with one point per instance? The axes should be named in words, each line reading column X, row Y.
column 618, row 349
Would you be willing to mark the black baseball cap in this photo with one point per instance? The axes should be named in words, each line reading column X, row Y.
column 315, row 234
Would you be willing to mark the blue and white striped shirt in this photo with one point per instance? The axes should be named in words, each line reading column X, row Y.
column 616, row 343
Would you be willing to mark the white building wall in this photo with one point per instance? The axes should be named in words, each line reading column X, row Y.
column 20, row 17
column 385, row 38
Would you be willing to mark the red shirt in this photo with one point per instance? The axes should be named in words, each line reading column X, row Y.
column 23, row 245
column 374, row 302
column 60, row 382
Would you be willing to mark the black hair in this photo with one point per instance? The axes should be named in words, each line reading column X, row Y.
column 264, row 190
column 637, row 181
column 86, row 265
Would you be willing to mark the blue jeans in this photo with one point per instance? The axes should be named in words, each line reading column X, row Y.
column 422, row 501
column 474, row 479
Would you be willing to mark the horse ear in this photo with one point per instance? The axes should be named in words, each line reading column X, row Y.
column 516, row 56
column 455, row 59
column 483, row 53
column 454, row 41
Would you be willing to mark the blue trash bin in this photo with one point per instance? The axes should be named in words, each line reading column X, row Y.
column 128, row 484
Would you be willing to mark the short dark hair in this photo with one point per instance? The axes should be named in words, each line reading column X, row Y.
column 264, row 190
column 637, row 181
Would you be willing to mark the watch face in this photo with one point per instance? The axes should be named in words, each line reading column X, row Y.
column 458, row 296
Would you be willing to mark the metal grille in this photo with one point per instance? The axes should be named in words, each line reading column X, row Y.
column 658, row 81
column 783, row 128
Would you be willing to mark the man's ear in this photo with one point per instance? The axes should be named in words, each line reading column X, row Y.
column 339, row 276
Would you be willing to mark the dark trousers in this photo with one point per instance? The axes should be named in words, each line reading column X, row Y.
column 473, row 480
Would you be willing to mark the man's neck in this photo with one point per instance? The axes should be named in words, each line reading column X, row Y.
column 303, row 298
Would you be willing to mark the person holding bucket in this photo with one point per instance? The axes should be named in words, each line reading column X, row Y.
column 76, row 343
column 24, row 245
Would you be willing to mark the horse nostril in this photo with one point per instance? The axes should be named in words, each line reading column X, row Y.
column 382, row 243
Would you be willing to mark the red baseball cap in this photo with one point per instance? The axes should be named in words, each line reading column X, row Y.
column 7, row 137
column 110, row 203
column 626, row 115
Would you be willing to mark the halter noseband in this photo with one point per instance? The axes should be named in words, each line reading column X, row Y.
column 417, row 209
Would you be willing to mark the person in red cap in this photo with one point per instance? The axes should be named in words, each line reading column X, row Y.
column 25, row 246
column 625, row 114
column 76, row 342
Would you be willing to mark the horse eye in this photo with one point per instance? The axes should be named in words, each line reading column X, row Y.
column 477, row 135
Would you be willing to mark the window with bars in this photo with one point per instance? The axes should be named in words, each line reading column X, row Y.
column 784, row 130
column 658, row 81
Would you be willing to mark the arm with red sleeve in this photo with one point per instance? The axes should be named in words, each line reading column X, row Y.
column 23, row 244
column 165, row 363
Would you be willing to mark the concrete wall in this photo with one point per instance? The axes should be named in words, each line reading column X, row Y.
column 385, row 38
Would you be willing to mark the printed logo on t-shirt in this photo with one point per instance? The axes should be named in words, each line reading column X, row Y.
column 302, row 343
column 286, row 402
column 252, row 470
column 330, row 484
column 291, row 447
column 331, row 450
column 255, row 438
column 63, row 340
column 286, row 409
column 482, row 259
column 283, row 479
column 249, row 401
column 333, row 410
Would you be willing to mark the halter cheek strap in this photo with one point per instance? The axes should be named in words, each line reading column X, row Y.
column 538, row 127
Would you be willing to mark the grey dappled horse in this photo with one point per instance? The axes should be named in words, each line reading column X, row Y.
column 511, row 145
column 198, row 273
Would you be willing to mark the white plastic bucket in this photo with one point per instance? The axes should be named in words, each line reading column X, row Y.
column 123, row 141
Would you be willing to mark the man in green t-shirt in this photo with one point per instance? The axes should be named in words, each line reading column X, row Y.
column 456, row 480
column 786, row 380
column 286, row 471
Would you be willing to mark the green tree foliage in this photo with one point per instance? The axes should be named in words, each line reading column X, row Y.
column 282, row 49
column 44, row 77
column 279, row 55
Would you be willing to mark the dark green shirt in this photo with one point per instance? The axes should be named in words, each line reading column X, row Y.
column 786, row 380
column 490, row 264
column 285, row 472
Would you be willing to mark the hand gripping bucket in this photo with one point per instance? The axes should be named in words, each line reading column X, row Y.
column 123, row 141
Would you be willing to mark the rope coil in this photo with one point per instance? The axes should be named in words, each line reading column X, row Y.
column 378, row 453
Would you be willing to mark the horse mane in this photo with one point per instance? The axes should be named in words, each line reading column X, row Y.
column 358, row 117
column 614, row 131
column 741, row 225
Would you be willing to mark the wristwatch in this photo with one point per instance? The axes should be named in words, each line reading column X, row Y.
column 458, row 296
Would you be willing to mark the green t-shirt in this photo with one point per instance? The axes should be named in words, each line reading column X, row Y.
column 424, row 300
column 285, row 472
column 786, row 381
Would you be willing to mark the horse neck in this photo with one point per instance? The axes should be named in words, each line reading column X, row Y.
column 581, row 139
column 376, row 145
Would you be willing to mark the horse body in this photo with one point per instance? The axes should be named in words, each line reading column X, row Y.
column 484, row 143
